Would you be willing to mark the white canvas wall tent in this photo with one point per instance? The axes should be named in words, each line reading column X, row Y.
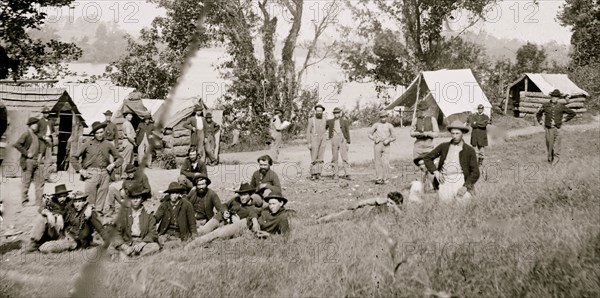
column 446, row 94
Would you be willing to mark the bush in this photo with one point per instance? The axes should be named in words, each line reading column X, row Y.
column 166, row 160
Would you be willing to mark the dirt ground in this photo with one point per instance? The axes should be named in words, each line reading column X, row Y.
column 238, row 167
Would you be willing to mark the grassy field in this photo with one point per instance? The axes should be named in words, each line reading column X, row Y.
column 530, row 232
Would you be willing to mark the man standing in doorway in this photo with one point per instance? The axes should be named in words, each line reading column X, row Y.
column 553, row 113
column 479, row 122
column 316, row 135
column 128, row 141
column 95, row 166
column 196, row 125
column 339, row 133
column 275, row 128
column 29, row 147
column 112, row 133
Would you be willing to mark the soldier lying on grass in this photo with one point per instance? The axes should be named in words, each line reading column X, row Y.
column 136, row 231
column 367, row 207
column 271, row 221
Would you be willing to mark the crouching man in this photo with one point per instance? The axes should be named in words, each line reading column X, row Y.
column 136, row 233
column 48, row 226
column 205, row 202
column 274, row 220
column 175, row 217
column 80, row 223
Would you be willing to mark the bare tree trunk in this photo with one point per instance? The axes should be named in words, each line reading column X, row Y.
column 288, row 73
column 270, row 64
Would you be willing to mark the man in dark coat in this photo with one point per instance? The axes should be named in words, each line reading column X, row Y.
column 191, row 169
column 210, row 141
column 3, row 128
column 339, row 133
column 143, row 139
column 48, row 226
column 111, row 132
column 133, row 177
column 29, row 145
column 479, row 122
column 136, row 232
column 175, row 216
column 553, row 113
column 457, row 170
column 205, row 202
column 45, row 134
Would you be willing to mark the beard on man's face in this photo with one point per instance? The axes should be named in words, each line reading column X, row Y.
column 319, row 115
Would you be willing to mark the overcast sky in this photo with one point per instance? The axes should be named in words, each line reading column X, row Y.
column 509, row 19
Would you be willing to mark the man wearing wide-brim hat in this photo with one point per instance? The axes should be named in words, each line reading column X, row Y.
column 175, row 216
column 316, row 136
column 133, row 178
column 479, row 122
column 197, row 125
column 111, row 131
column 94, row 165
column 30, row 147
column 382, row 134
column 457, row 169
column 339, row 133
column 135, row 228
column 273, row 220
column 206, row 204
column 275, row 131
column 49, row 224
column 553, row 113
column 81, row 221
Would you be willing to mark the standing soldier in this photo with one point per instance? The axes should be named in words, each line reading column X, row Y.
column 275, row 128
column 95, row 167
column 196, row 125
column 112, row 133
column 128, row 140
column 316, row 135
column 382, row 134
column 479, row 122
column 45, row 131
column 143, row 138
column 339, row 133
column 29, row 146
column 553, row 113
column 210, row 144
column 3, row 127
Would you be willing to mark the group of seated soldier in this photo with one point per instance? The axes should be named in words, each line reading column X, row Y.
column 190, row 215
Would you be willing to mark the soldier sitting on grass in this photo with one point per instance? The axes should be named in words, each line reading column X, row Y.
column 367, row 207
column 48, row 226
column 265, row 180
column 274, row 220
column 80, row 223
column 205, row 202
column 175, row 217
column 136, row 232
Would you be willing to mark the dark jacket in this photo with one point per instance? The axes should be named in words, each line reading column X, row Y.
column 44, row 124
column 185, row 218
column 188, row 171
column 274, row 223
column 111, row 133
column 467, row 159
column 80, row 228
column 138, row 178
column 190, row 124
column 203, row 206
column 144, row 130
column 554, row 111
column 270, row 178
column 22, row 145
column 344, row 125
column 479, row 124
column 123, row 226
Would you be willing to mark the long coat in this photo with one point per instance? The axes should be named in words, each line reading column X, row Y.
column 479, row 123
column 190, row 124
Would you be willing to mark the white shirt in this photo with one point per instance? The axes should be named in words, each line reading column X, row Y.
column 452, row 162
column 136, row 231
column 199, row 122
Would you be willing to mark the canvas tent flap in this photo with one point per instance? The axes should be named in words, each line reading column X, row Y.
column 547, row 82
column 153, row 105
column 454, row 90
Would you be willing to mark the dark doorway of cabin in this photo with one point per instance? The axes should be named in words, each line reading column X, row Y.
column 65, row 127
